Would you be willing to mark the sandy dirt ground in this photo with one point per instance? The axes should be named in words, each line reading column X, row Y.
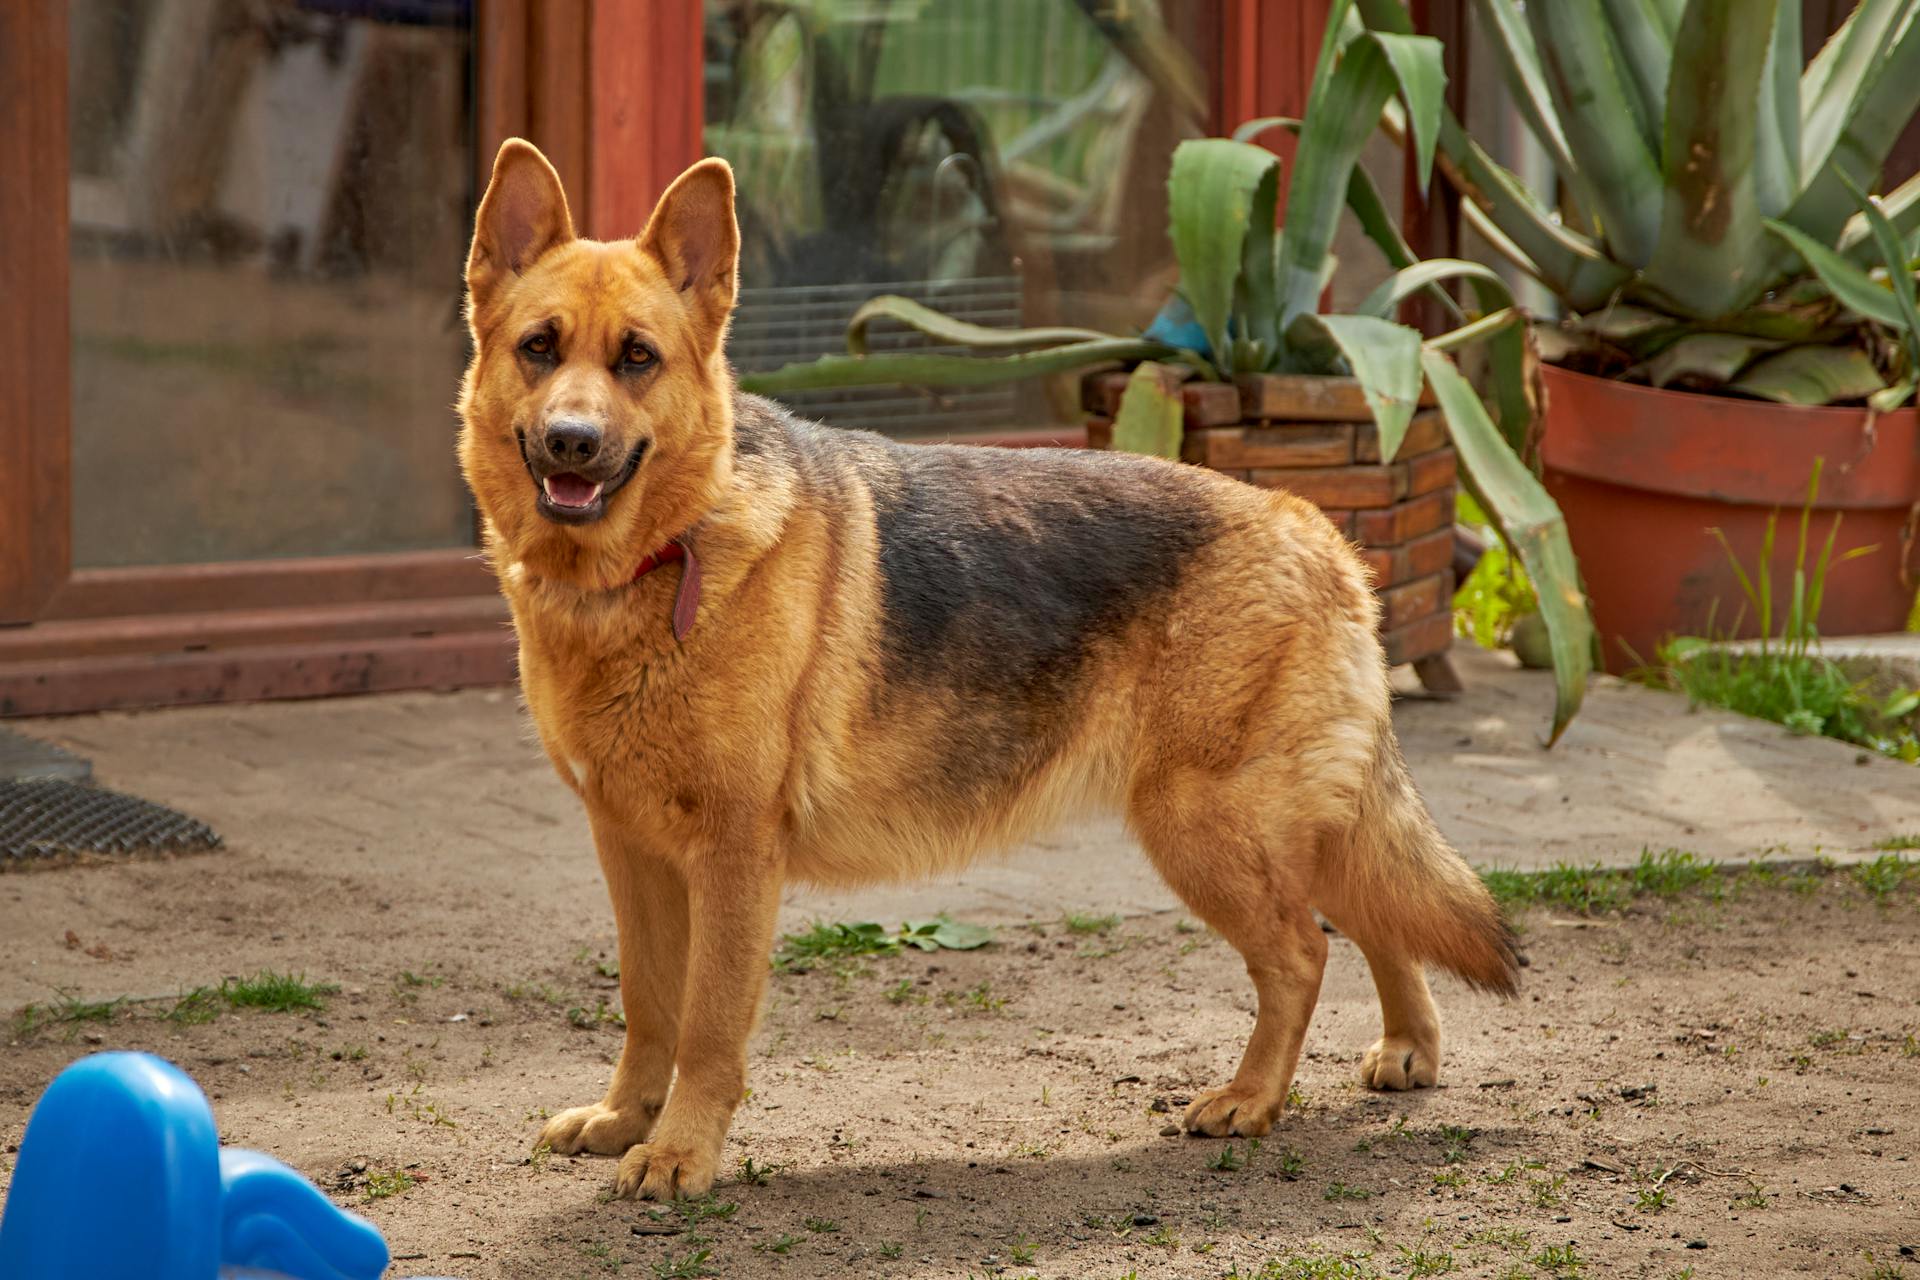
column 1718, row 1084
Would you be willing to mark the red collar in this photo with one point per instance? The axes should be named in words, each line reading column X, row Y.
column 687, row 602
column 665, row 555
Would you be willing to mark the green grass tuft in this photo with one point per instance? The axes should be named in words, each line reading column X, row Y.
column 1671, row 872
column 1596, row 890
column 1885, row 874
column 1560, row 1260
column 1227, row 1160
column 690, row 1267
column 200, row 1005
column 706, row 1209
column 1316, row 1266
column 65, row 1010
column 276, row 992
column 382, row 1185
column 1426, row 1262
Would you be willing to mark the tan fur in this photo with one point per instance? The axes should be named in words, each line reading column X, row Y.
column 1239, row 720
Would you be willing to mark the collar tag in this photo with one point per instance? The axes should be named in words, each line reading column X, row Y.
column 686, row 603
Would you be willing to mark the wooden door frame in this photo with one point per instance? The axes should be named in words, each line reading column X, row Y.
column 36, row 551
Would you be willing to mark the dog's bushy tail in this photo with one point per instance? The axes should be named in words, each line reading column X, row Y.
column 1391, row 881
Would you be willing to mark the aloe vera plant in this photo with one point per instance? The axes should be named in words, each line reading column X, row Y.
column 1714, row 233
column 1248, row 301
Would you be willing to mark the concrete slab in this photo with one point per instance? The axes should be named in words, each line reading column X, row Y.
column 453, row 786
column 1899, row 646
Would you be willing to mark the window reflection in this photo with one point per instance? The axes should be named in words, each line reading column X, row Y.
column 269, row 200
column 1003, row 160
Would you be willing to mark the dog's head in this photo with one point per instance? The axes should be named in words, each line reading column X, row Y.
column 596, row 412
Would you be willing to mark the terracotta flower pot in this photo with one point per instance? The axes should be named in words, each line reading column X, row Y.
column 1644, row 474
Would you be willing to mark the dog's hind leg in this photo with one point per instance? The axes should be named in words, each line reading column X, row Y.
column 1407, row 1054
column 650, row 910
column 1390, row 881
column 1251, row 886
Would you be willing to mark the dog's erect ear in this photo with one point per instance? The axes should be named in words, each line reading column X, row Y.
column 523, row 214
column 693, row 235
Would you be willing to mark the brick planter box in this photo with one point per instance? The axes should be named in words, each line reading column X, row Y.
column 1314, row 437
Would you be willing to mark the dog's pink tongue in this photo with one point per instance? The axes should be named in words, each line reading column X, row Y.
column 570, row 490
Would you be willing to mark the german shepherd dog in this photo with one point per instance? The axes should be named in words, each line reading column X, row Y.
column 764, row 651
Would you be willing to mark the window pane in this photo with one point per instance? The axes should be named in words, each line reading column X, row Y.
column 1002, row 160
column 269, row 205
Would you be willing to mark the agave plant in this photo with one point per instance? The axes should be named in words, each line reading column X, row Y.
column 1248, row 301
column 1712, row 231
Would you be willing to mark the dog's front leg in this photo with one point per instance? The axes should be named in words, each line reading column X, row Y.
column 733, row 896
column 650, row 911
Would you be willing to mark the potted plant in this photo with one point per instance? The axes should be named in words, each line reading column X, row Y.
column 1737, row 307
column 1243, row 341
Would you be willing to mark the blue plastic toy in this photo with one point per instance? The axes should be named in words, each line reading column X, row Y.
column 121, row 1177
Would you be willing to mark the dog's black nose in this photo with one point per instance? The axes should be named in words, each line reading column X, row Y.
column 571, row 442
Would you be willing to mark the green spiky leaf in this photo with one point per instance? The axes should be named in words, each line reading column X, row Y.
column 934, row 369
column 1776, row 146
column 1149, row 420
column 1584, row 74
column 1710, row 257
column 1384, row 358
column 1498, row 206
column 1852, row 286
column 1490, row 288
column 1512, row 42
column 1851, row 126
column 1899, row 274
column 1217, row 191
column 1533, row 527
column 1812, row 376
column 1420, row 70
column 1338, row 126
column 1704, row 360
column 957, row 333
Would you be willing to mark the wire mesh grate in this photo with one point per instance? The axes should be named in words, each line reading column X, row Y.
column 42, row 818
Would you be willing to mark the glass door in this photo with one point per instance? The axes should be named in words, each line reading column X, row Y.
column 231, row 339
column 268, row 211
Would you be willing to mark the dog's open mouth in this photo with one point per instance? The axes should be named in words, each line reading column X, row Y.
column 571, row 497
column 570, row 491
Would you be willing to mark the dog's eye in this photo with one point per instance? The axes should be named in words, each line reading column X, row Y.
column 636, row 357
column 540, row 344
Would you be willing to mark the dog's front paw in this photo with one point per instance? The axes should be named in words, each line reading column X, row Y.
column 1234, row 1112
column 666, row 1171
column 1401, row 1062
column 601, row 1129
